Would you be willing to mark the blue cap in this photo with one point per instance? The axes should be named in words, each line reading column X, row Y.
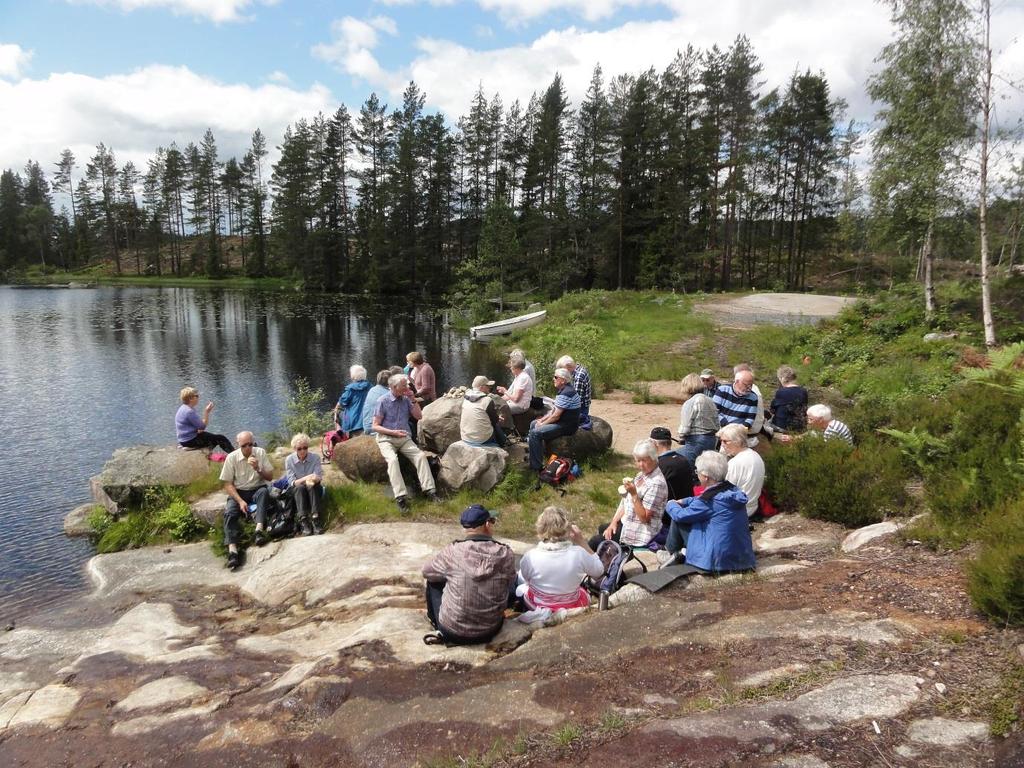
column 476, row 515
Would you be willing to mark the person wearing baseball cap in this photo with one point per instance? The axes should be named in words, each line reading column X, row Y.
column 478, row 425
column 469, row 583
column 676, row 468
column 707, row 378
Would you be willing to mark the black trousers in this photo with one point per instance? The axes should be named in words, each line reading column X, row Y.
column 209, row 440
column 435, row 590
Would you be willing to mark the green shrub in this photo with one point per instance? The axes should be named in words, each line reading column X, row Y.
column 996, row 575
column 302, row 412
column 99, row 521
column 127, row 532
column 832, row 481
column 178, row 521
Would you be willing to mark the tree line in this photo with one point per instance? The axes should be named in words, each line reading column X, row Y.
column 693, row 177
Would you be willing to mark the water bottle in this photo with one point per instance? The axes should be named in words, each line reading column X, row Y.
column 602, row 601
column 252, row 509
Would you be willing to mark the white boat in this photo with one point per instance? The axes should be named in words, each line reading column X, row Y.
column 498, row 327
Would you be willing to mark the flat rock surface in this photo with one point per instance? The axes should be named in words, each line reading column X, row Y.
column 312, row 654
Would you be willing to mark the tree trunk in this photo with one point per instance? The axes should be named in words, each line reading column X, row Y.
column 986, row 113
column 928, row 260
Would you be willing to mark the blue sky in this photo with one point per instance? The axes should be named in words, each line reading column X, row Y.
column 136, row 74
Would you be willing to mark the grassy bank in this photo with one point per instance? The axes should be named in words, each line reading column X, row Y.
column 100, row 276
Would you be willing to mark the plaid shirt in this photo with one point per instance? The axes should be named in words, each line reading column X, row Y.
column 653, row 492
column 581, row 383
column 478, row 573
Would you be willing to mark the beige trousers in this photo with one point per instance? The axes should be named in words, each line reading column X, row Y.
column 390, row 447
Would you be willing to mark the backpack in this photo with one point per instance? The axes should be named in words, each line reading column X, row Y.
column 557, row 472
column 281, row 515
column 328, row 442
column 614, row 556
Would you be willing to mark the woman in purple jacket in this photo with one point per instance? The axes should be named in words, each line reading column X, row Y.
column 191, row 427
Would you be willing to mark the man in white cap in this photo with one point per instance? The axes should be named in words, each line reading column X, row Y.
column 479, row 423
column 707, row 378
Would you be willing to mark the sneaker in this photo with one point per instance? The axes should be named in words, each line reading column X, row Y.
column 676, row 559
column 234, row 560
column 403, row 505
column 260, row 538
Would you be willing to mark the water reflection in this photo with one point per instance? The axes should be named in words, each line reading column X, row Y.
column 85, row 371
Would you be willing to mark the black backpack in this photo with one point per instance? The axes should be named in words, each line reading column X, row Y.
column 558, row 472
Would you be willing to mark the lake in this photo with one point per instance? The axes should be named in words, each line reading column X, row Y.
column 85, row 371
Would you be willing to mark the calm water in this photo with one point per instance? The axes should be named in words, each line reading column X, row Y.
column 85, row 371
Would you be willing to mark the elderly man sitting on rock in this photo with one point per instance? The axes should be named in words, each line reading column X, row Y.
column 245, row 475
column 582, row 384
column 819, row 417
column 470, row 583
column 560, row 421
column 637, row 519
column 710, row 531
column 391, row 424
column 478, row 424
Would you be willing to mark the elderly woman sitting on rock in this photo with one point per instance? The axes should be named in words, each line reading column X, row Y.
column 637, row 519
column 191, row 427
column 305, row 483
column 710, row 531
column 550, row 574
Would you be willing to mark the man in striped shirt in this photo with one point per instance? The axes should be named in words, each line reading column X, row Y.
column 736, row 402
column 562, row 420
column 581, row 383
column 820, row 417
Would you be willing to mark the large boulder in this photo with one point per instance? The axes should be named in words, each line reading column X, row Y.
column 76, row 522
column 130, row 472
column 440, row 425
column 360, row 459
column 586, row 442
column 467, row 466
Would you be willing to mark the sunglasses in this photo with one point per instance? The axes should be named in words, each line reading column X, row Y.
column 302, row 448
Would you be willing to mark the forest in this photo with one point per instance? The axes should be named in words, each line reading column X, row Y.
column 691, row 178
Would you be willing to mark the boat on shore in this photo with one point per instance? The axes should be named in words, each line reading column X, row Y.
column 500, row 327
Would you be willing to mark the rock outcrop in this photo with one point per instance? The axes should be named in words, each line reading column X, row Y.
column 467, row 466
column 76, row 522
column 360, row 459
column 439, row 427
column 130, row 472
column 586, row 442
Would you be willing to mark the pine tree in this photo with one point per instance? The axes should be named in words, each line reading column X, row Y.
column 102, row 175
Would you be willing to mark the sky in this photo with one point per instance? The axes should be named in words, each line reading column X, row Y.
column 138, row 74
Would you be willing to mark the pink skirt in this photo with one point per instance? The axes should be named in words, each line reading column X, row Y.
column 582, row 600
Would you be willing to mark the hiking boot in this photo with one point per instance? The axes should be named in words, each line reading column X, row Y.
column 234, row 560
column 305, row 529
column 317, row 529
column 403, row 505
column 260, row 538
column 432, row 497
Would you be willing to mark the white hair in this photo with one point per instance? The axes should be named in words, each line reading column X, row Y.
column 300, row 438
column 563, row 374
column 357, row 373
column 820, row 411
column 734, row 433
column 713, row 465
column 645, row 449
column 397, row 379
column 565, row 361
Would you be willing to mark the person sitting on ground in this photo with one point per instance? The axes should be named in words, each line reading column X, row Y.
column 637, row 519
column 711, row 384
column 676, row 468
column 528, row 369
column 736, row 402
column 698, row 419
column 520, row 391
column 758, row 426
column 305, row 483
column 391, row 425
column 790, row 401
column 819, row 417
column 478, row 425
column 469, row 583
column 348, row 413
column 191, row 427
column 553, row 570
column 581, row 383
column 560, row 421
column 422, row 378
column 245, row 475
column 373, row 394
column 746, row 467
column 710, row 530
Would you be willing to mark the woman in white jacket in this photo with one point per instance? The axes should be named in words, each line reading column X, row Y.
column 552, row 572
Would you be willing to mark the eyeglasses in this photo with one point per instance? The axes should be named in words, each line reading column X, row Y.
column 302, row 448
column 245, row 445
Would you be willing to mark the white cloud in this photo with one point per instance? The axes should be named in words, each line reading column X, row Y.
column 840, row 37
column 13, row 60
column 137, row 112
column 352, row 44
column 217, row 11
column 515, row 12
column 279, row 77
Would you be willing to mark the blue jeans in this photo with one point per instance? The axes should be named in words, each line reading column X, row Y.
column 677, row 535
column 695, row 445
column 536, row 439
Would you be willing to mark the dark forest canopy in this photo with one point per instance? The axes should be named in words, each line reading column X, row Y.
column 688, row 178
